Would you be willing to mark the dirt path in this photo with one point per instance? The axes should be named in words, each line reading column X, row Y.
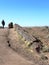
column 7, row 55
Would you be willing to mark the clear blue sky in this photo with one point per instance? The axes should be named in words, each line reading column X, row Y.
column 25, row 12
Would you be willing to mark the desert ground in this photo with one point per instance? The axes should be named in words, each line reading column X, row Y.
column 18, row 46
column 7, row 55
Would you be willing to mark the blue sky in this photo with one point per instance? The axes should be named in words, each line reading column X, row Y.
column 25, row 12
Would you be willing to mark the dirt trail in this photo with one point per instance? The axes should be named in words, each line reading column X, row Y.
column 7, row 55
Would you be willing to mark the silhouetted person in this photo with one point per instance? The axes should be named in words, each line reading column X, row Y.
column 3, row 23
column 10, row 25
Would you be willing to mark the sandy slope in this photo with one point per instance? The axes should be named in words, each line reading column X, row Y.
column 7, row 55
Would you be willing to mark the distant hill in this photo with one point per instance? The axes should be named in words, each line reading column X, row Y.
column 1, row 27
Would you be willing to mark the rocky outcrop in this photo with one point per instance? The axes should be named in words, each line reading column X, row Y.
column 24, row 34
column 31, row 40
column 33, row 51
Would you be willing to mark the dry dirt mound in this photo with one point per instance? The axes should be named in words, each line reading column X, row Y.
column 7, row 55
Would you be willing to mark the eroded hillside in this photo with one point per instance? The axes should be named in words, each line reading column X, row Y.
column 7, row 55
column 30, row 43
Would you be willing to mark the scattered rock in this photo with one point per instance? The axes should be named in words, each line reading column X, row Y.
column 9, row 45
column 43, row 57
